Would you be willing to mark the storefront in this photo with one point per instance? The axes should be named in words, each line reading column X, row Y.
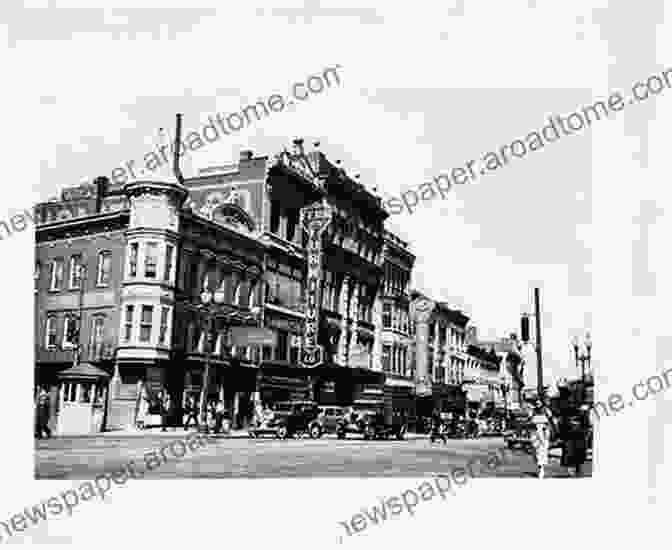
column 400, row 397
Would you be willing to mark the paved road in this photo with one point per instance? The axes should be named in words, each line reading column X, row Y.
column 86, row 457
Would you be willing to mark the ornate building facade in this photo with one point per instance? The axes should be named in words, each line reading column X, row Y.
column 155, row 246
column 440, row 354
column 397, row 361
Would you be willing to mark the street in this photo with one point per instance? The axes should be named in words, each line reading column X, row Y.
column 86, row 457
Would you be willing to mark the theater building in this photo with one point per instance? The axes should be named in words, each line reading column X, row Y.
column 134, row 318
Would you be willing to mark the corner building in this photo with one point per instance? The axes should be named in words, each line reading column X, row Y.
column 150, row 248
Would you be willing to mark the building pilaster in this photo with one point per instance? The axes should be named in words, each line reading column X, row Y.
column 437, row 353
column 343, row 310
column 353, row 314
column 378, row 331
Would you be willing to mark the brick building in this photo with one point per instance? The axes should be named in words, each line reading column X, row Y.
column 134, row 315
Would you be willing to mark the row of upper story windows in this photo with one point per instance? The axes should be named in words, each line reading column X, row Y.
column 139, row 324
column 66, row 334
column 60, row 279
column 395, row 317
column 151, row 259
column 395, row 360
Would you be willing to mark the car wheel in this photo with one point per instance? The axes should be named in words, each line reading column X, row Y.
column 340, row 434
column 315, row 431
column 282, row 432
column 369, row 433
column 252, row 435
column 402, row 433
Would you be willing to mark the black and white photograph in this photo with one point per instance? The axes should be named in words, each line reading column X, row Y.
column 329, row 275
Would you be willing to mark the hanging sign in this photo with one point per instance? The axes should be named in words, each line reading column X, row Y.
column 314, row 220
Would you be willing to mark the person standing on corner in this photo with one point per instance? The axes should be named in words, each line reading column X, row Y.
column 167, row 411
column 43, row 404
column 192, row 412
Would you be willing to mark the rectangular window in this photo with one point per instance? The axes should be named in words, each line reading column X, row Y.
column 69, row 392
column 50, row 333
column 97, row 326
column 151, row 260
column 387, row 358
column 387, row 315
column 75, row 272
column 69, row 333
column 133, row 260
column 56, row 274
column 283, row 345
column 128, row 323
column 168, row 268
column 146, row 323
column 104, row 267
column 164, row 325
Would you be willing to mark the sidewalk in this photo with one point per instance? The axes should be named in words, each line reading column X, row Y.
column 171, row 432
column 233, row 434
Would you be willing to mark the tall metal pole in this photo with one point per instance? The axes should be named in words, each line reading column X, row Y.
column 537, row 317
column 206, row 374
column 80, row 313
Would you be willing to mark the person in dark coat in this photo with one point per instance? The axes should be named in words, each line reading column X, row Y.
column 43, row 410
column 191, row 410
column 574, row 449
column 167, row 412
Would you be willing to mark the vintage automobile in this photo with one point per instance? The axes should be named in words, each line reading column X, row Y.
column 287, row 419
column 370, row 422
column 520, row 432
column 327, row 421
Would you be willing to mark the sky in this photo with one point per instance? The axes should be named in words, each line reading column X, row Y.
column 108, row 80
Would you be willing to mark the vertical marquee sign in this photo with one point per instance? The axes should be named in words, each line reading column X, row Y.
column 314, row 220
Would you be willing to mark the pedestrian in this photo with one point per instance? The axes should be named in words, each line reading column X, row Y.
column 143, row 409
column 167, row 412
column 574, row 451
column 191, row 410
column 219, row 416
column 541, row 439
column 42, row 421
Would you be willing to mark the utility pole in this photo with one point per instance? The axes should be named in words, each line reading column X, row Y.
column 537, row 318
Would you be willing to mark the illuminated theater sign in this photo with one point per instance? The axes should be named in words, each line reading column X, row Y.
column 314, row 220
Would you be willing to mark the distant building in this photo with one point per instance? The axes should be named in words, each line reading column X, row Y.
column 440, row 355
column 396, row 340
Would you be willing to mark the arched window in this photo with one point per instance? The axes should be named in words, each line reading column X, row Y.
column 252, row 298
column 236, row 292
column 242, row 294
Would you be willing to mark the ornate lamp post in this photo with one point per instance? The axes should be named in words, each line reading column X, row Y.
column 582, row 353
column 209, row 303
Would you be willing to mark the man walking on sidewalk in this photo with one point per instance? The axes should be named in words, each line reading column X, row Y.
column 192, row 412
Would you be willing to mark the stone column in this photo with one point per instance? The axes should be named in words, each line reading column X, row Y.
column 421, row 311
column 343, row 310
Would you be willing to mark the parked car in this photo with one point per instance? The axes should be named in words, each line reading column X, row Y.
column 326, row 421
column 372, row 424
column 288, row 419
column 520, row 433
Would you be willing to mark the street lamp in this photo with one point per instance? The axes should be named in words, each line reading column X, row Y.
column 582, row 354
column 210, row 302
